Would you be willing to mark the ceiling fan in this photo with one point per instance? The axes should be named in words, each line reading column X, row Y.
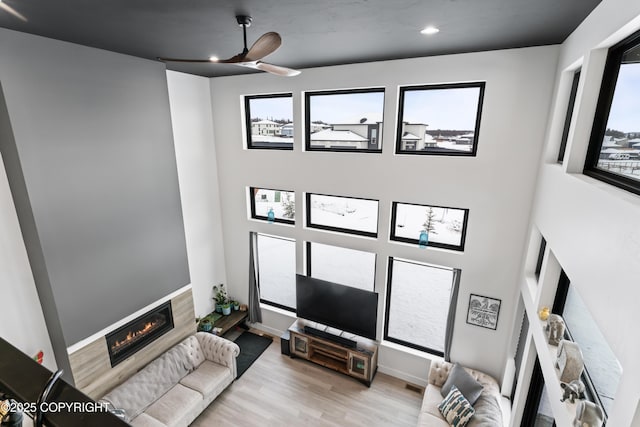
column 12, row 11
column 250, row 58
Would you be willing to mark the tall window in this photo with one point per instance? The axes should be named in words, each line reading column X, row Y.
column 439, row 119
column 269, row 121
column 277, row 271
column 344, row 120
column 281, row 203
column 614, row 148
column 418, row 300
column 341, row 265
column 569, row 115
column 343, row 214
column 446, row 227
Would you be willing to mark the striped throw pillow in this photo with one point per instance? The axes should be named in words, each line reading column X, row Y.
column 456, row 409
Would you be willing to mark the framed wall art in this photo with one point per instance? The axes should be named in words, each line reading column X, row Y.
column 483, row 311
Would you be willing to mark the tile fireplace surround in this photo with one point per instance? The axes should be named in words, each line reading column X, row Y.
column 91, row 366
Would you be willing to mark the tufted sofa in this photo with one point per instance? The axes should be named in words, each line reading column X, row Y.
column 490, row 407
column 174, row 388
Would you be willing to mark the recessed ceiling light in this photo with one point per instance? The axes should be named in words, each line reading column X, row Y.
column 430, row 30
column 214, row 59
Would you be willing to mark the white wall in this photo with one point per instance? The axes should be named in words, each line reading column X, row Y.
column 197, row 173
column 591, row 227
column 496, row 186
column 21, row 320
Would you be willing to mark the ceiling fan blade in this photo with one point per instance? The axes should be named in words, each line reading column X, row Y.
column 265, row 45
column 12, row 11
column 277, row 70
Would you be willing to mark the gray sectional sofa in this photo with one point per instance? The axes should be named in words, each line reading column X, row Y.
column 491, row 409
column 175, row 388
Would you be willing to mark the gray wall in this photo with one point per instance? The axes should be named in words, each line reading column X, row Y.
column 92, row 131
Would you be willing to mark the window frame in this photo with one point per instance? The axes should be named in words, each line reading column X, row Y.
column 603, row 109
column 387, row 308
column 265, row 301
column 307, row 117
column 308, row 262
column 247, row 120
column 252, row 206
column 569, row 115
column 392, row 231
column 309, row 224
column 540, row 258
column 401, row 94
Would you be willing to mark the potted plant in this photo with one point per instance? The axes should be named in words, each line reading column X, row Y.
column 226, row 308
column 220, row 297
column 206, row 325
column 236, row 305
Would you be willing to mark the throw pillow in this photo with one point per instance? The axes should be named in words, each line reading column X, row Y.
column 468, row 386
column 456, row 409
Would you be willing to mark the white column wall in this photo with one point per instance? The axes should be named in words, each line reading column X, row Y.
column 496, row 186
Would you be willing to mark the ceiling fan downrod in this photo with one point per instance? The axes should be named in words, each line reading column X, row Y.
column 244, row 21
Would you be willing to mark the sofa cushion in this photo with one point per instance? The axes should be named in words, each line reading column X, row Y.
column 177, row 407
column 429, row 420
column 431, row 400
column 144, row 420
column 154, row 380
column 208, row 378
column 456, row 409
column 464, row 382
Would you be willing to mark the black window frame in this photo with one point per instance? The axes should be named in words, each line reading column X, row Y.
column 393, row 237
column 252, row 206
column 247, row 121
column 603, row 108
column 569, row 115
column 474, row 149
column 387, row 309
column 309, row 268
column 540, row 259
column 266, row 301
column 307, row 116
column 309, row 224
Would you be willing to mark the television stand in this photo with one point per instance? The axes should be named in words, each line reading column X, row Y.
column 359, row 361
column 345, row 342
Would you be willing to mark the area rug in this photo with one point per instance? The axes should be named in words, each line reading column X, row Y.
column 251, row 347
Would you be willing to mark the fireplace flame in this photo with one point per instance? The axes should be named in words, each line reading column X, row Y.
column 134, row 336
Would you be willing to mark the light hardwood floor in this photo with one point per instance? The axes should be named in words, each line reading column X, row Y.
column 279, row 391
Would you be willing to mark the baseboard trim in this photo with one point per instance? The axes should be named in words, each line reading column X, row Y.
column 402, row 375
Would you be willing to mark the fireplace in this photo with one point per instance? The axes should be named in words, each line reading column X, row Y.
column 135, row 335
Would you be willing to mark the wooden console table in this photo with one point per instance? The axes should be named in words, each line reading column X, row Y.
column 225, row 323
column 360, row 363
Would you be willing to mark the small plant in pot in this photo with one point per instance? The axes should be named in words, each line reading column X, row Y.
column 236, row 305
column 206, row 325
column 226, row 308
column 220, row 297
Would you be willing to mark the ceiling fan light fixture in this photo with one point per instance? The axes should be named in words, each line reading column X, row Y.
column 430, row 30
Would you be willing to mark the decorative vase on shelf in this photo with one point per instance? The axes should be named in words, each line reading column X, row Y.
column 226, row 309
column 218, row 308
column 544, row 313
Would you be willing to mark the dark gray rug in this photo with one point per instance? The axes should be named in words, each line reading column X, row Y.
column 251, row 347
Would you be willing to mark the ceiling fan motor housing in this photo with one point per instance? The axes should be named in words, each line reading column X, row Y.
column 244, row 20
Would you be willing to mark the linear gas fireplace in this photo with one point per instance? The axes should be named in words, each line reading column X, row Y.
column 132, row 337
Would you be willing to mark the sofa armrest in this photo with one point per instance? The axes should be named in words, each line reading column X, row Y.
column 219, row 350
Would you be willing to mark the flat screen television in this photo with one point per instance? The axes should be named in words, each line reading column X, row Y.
column 342, row 307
